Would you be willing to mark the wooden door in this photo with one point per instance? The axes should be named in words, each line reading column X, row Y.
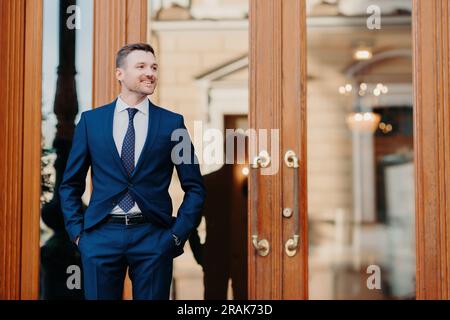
column 278, row 101
column 431, row 32
column 278, row 105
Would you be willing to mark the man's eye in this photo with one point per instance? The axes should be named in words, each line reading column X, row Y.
column 140, row 67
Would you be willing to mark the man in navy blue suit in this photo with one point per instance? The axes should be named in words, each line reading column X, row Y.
column 132, row 147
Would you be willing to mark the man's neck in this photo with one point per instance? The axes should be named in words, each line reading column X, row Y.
column 132, row 99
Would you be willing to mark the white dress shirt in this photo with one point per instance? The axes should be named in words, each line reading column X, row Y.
column 120, row 126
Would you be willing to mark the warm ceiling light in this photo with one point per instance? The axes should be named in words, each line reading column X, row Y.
column 362, row 54
column 348, row 87
column 363, row 122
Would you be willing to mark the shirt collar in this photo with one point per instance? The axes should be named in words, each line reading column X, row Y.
column 142, row 106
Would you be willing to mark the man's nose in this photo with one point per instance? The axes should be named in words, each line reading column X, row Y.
column 149, row 73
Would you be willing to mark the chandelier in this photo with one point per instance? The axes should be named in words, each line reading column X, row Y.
column 360, row 121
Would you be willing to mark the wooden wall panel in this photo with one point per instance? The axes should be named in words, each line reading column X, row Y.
column 12, row 22
column 431, row 30
column 20, row 89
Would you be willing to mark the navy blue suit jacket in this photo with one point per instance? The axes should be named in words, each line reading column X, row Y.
column 93, row 145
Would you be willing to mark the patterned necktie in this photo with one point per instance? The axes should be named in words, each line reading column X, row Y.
column 127, row 156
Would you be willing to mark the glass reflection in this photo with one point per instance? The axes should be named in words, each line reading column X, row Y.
column 204, row 75
column 66, row 85
column 360, row 150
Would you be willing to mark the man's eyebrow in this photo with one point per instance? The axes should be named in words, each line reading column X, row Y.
column 153, row 64
column 142, row 62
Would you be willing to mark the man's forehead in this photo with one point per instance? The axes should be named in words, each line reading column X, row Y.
column 139, row 56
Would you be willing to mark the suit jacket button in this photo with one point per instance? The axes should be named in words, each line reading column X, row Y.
column 114, row 203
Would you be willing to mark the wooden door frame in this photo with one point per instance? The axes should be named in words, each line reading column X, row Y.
column 431, row 55
column 20, row 127
column 274, row 76
column 31, row 163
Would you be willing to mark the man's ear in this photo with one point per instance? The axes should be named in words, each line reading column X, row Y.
column 119, row 74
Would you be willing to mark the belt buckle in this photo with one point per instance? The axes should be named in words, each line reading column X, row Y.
column 127, row 219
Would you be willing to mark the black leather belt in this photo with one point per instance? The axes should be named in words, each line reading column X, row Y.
column 127, row 219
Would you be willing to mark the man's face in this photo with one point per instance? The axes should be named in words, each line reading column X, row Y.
column 139, row 72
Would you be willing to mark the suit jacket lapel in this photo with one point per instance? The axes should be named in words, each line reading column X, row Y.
column 152, row 130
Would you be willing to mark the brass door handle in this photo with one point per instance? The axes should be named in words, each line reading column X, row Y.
column 262, row 161
column 291, row 244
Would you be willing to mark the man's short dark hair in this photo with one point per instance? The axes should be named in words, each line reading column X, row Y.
column 126, row 50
